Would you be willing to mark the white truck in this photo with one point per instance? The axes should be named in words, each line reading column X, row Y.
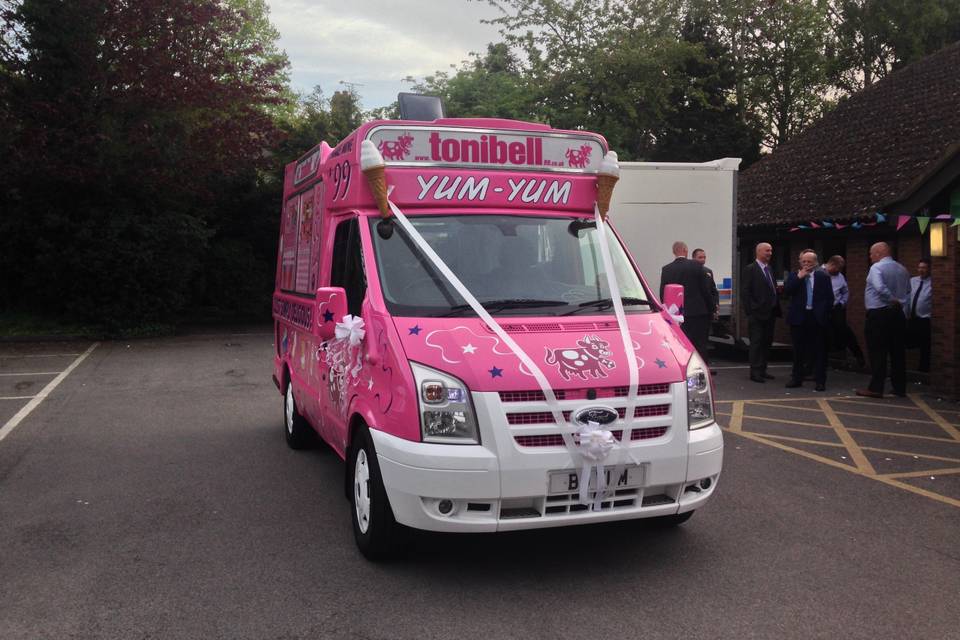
column 657, row 203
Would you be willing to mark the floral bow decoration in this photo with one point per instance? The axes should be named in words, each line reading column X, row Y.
column 351, row 329
column 595, row 444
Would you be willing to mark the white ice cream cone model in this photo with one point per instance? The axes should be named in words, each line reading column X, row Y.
column 607, row 178
column 375, row 170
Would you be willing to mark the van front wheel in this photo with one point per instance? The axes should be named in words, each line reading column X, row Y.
column 296, row 429
column 374, row 527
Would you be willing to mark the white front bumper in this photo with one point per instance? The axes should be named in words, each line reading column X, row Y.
column 500, row 485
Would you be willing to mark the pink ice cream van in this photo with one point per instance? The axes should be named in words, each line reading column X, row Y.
column 458, row 320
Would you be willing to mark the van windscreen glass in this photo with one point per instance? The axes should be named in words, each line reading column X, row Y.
column 513, row 265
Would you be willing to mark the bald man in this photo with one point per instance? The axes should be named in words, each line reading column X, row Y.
column 761, row 306
column 886, row 298
column 697, row 299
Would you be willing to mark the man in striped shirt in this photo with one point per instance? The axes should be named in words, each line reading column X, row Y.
column 886, row 297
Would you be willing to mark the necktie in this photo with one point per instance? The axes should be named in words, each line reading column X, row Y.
column 810, row 291
column 766, row 272
column 916, row 296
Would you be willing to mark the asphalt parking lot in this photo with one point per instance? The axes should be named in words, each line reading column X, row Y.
column 146, row 492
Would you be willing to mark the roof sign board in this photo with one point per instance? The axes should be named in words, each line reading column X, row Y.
column 488, row 149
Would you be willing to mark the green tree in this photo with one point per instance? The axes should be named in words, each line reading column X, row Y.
column 703, row 122
column 873, row 37
column 133, row 122
column 491, row 86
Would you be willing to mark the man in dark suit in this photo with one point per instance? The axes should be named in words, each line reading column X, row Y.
column 761, row 305
column 697, row 300
column 811, row 301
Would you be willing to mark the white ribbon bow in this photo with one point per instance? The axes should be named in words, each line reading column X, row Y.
column 595, row 444
column 351, row 328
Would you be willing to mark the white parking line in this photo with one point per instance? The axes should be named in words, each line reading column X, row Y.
column 14, row 356
column 32, row 373
column 37, row 399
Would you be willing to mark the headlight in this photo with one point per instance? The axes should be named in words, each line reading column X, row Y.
column 446, row 415
column 699, row 395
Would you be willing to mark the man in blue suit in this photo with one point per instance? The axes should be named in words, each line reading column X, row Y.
column 811, row 301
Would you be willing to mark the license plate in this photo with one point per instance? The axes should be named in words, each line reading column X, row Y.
column 569, row 481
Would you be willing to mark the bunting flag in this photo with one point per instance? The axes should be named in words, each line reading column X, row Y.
column 881, row 218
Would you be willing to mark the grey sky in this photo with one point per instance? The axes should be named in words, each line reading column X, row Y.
column 376, row 43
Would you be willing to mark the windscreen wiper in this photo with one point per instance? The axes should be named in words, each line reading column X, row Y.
column 510, row 303
column 606, row 303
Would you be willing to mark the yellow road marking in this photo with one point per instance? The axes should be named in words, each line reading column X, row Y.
column 855, row 452
column 799, row 452
column 802, row 440
column 876, row 417
column 736, row 418
column 918, row 474
column 780, row 421
column 839, row 465
column 875, row 404
column 919, row 491
column 936, row 417
column 900, row 435
column 777, row 406
column 925, row 456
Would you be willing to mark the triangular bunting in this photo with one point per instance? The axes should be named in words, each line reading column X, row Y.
column 956, row 222
column 902, row 220
column 839, row 226
column 881, row 217
column 923, row 221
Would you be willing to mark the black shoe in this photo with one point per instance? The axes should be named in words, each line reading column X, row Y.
column 767, row 376
column 793, row 384
column 820, row 387
column 757, row 378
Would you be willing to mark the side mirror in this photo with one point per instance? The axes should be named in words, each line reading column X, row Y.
column 331, row 306
column 673, row 300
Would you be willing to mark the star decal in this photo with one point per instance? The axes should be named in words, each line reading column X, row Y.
column 415, row 330
column 469, row 348
column 660, row 363
column 496, row 373
column 328, row 316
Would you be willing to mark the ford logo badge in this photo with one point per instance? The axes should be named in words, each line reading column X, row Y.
column 601, row 415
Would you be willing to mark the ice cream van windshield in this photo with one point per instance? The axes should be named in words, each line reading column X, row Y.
column 513, row 265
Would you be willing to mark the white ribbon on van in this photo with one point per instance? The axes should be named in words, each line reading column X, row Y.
column 576, row 454
column 595, row 444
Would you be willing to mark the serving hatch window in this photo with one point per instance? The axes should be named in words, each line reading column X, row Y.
column 513, row 265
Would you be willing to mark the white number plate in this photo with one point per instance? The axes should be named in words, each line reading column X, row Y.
column 569, row 481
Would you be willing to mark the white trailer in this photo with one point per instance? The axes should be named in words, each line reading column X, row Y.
column 657, row 203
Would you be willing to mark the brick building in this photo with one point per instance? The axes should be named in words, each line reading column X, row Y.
column 893, row 148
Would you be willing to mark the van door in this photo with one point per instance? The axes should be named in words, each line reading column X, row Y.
column 346, row 270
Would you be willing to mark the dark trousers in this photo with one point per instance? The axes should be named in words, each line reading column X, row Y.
column 919, row 329
column 886, row 336
column 841, row 335
column 760, row 333
column 697, row 330
column 809, row 343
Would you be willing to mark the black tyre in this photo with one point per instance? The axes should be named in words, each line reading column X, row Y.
column 296, row 429
column 374, row 528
